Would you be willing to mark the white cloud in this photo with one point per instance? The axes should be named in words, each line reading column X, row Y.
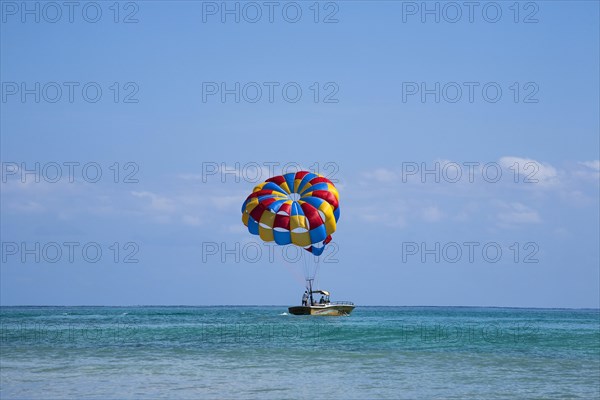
column 590, row 170
column 172, row 209
column 467, row 212
column 396, row 214
column 385, row 216
column 530, row 171
column 27, row 206
column 190, row 205
column 431, row 214
column 191, row 220
column 515, row 214
column 381, row 175
column 235, row 228
column 190, row 177
column 157, row 203
column 576, row 198
column 227, row 201
column 595, row 164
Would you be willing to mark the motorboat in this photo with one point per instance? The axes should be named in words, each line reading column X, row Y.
column 322, row 307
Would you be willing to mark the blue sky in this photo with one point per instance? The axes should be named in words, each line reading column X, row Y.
column 542, row 133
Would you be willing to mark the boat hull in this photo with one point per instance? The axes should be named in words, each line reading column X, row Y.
column 330, row 310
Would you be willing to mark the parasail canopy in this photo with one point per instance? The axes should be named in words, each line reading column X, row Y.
column 300, row 208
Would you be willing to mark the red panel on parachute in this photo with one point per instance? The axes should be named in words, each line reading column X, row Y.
column 301, row 174
column 327, row 196
column 258, row 212
column 314, row 219
column 282, row 221
column 277, row 180
column 319, row 179
column 286, row 208
column 263, row 192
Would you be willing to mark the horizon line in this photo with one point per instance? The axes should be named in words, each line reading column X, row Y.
column 278, row 305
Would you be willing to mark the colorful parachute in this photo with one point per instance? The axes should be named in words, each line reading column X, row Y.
column 300, row 208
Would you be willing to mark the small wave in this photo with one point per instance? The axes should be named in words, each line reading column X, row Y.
column 284, row 313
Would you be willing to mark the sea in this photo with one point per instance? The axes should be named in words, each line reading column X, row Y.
column 262, row 352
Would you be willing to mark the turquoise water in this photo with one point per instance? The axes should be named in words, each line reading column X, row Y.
column 262, row 353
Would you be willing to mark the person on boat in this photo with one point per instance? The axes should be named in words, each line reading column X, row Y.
column 322, row 300
column 305, row 298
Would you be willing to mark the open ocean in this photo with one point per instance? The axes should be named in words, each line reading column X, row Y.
column 263, row 353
